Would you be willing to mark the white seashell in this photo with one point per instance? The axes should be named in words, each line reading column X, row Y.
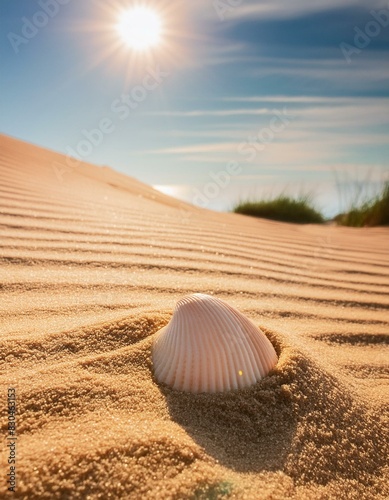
column 209, row 346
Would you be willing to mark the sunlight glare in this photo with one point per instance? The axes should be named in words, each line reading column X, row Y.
column 174, row 191
column 140, row 27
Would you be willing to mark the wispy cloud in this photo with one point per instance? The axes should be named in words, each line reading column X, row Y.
column 220, row 147
column 336, row 111
column 270, row 9
column 210, row 112
column 337, row 100
column 324, row 131
column 366, row 73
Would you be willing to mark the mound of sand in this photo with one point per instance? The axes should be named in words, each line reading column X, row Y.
column 91, row 265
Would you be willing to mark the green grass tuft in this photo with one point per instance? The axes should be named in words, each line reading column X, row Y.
column 282, row 208
column 373, row 212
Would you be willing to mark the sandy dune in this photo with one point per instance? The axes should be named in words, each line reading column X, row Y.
column 91, row 265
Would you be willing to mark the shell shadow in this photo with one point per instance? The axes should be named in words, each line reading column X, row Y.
column 246, row 430
column 296, row 420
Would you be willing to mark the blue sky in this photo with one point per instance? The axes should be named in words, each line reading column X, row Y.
column 260, row 98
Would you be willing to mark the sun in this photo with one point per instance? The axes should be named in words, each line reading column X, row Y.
column 140, row 27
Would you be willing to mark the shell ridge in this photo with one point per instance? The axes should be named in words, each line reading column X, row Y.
column 174, row 346
column 232, row 370
column 195, row 380
column 238, row 338
column 164, row 345
column 245, row 347
column 228, row 367
column 182, row 355
column 219, row 373
column 189, row 367
column 259, row 346
column 159, row 360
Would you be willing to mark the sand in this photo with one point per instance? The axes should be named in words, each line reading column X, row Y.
column 91, row 266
